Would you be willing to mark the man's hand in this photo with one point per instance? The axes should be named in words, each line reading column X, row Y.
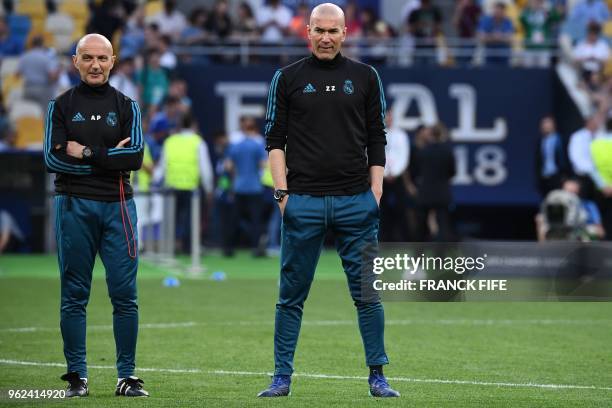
column 283, row 204
column 377, row 194
column 123, row 143
column 74, row 149
column 607, row 191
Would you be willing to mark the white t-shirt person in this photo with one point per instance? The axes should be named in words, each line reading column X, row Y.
column 592, row 56
column 280, row 17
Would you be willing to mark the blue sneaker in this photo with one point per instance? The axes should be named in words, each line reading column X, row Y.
column 279, row 387
column 379, row 387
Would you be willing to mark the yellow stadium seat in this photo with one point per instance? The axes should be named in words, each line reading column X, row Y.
column 76, row 8
column 29, row 132
column 153, row 7
column 9, row 83
column 32, row 8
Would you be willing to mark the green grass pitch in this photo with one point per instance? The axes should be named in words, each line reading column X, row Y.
column 474, row 354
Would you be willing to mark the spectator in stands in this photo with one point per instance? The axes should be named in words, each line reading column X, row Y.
column 167, row 58
column 538, row 24
column 353, row 25
column 153, row 81
column 172, row 111
column 297, row 27
column 11, row 235
column 495, row 32
column 106, row 18
column 591, row 54
column 170, row 20
column 245, row 161
column 219, row 23
column 588, row 11
column 178, row 90
column 425, row 24
column 9, row 46
column 133, row 36
column 60, row 25
column 273, row 20
column 551, row 161
column 40, row 70
column 152, row 36
column 123, row 78
column 246, row 25
column 465, row 19
column 579, row 153
column 368, row 20
column 194, row 33
column 434, row 170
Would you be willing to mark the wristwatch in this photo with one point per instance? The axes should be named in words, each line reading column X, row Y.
column 87, row 152
column 279, row 195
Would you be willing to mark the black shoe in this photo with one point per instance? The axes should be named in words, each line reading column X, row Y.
column 131, row 387
column 76, row 386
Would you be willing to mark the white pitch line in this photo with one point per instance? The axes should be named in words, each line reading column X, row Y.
column 104, row 327
column 322, row 376
column 391, row 322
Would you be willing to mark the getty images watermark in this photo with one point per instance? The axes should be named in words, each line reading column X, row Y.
column 485, row 271
column 412, row 266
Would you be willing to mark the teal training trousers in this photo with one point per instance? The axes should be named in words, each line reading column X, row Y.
column 354, row 221
column 85, row 228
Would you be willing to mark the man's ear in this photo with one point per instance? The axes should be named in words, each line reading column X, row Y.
column 308, row 30
column 74, row 61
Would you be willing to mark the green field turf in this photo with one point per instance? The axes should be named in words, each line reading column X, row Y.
column 472, row 354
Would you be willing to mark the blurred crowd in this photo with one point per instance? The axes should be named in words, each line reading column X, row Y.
column 38, row 37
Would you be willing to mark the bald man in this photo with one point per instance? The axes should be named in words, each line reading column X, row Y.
column 93, row 139
column 325, row 124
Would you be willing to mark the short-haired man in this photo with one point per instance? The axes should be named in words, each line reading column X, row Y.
column 93, row 138
column 325, row 123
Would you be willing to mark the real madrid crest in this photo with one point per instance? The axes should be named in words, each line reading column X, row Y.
column 348, row 87
column 111, row 119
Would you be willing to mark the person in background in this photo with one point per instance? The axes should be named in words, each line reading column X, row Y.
column 153, row 81
column 495, row 32
column 394, row 220
column 465, row 19
column 591, row 54
column 184, row 165
column 245, row 27
column 539, row 24
column 245, row 161
column 167, row 58
column 9, row 46
column 170, row 20
column 11, row 235
column 40, row 70
column 273, row 20
column 435, row 168
column 425, row 25
column 123, row 78
column 601, row 152
column 551, row 160
column 579, row 153
column 219, row 23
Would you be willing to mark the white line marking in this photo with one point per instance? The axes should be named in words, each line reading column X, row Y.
column 321, row 376
column 104, row 327
column 391, row 322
